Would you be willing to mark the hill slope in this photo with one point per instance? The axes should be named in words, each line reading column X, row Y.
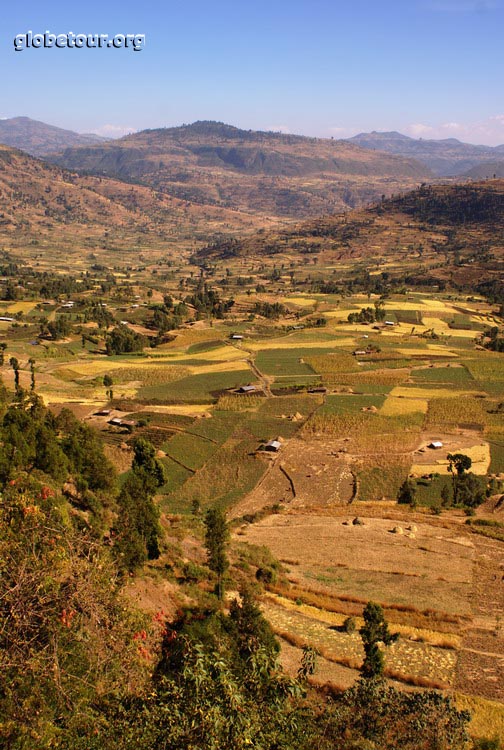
column 43, row 204
column 267, row 173
column 450, row 233
column 37, row 138
column 446, row 158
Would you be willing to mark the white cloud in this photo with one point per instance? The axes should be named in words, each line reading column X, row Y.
column 114, row 131
column 419, row 130
column 488, row 132
column 278, row 129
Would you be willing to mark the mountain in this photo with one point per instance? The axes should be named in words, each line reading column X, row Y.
column 446, row 233
column 490, row 169
column 38, row 139
column 271, row 174
column 445, row 158
column 42, row 205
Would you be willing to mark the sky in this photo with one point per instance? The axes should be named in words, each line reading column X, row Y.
column 427, row 68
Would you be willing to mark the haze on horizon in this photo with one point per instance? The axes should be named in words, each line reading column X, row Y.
column 429, row 68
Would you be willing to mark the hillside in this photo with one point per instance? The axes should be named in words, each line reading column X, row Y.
column 264, row 173
column 42, row 205
column 451, row 232
column 38, row 138
column 486, row 170
column 446, row 158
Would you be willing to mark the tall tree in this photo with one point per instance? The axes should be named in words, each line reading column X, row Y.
column 216, row 537
column 374, row 631
column 458, row 463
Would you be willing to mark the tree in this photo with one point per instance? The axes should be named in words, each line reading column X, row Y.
column 137, row 528
column 406, row 494
column 216, row 537
column 108, row 383
column 470, row 490
column 446, row 496
column 32, row 372
column 147, row 466
column 374, row 631
column 374, row 715
column 458, row 463
column 14, row 363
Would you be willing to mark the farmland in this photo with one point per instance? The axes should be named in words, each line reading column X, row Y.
column 354, row 408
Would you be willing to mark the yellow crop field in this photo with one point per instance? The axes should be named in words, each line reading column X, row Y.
column 186, row 410
column 426, row 393
column 436, row 304
column 300, row 301
column 225, row 353
column 399, row 405
column 236, row 366
column 257, row 346
column 340, row 314
column 479, row 454
column 24, row 307
column 432, row 350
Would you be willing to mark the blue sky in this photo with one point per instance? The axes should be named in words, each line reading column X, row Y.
column 429, row 68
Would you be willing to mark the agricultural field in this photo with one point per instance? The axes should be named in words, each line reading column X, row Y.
column 351, row 407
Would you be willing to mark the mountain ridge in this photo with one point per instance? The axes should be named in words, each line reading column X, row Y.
column 38, row 138
column 266, row 173
column 448, row 157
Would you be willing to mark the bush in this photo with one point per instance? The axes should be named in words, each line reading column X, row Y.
column 349, row 626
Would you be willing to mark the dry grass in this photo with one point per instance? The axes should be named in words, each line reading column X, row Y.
column 454, row 411
column 399, row 614
column 149, row 374
column 487, row 716
column 419, row 635
column 238, row 403
column 373, row 433
column 395, row 406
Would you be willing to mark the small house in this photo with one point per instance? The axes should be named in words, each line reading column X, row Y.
column 389, row 323
column 237, row 337
column 103, row 413
column 273, row 446
column 116, row 422
column 247, row 389
column 435, row 445
column 359, row 352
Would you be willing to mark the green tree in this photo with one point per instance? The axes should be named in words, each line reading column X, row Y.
column 216, row 538
column 374, row 631
column 407, row 493
column 458, row 463
column 14, row 363
column 3, row 347
column 32, row 373
column 470, row 490
column 147, row 466
column 137, row 529
column 371, row 715
column 446, row 496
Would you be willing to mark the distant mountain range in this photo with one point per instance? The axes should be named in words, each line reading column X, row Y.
column 445, row 158
column 38, row 139
column 272, row 174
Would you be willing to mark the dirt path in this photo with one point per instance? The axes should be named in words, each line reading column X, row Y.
column 265, row 381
